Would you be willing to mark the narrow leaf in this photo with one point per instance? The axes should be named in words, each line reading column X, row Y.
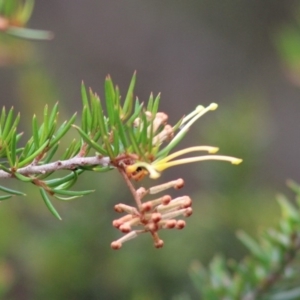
column 53, row 115
column 49, row 204
column 57, row 181
column 5, row 197
column 45, row 132
column 35, row 132
column 66, row 198
column 13, row 147
column 110, row 98
column 128, row 103
column 8, row 123
column 22, row 177
column 90, row 142
column 72, row 193
column 150, row 103
column 251, row 244
column 2, row 119
column 31, row 157
column 10, row 191
column 62, row 130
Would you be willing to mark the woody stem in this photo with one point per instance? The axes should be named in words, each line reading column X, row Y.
column 131, row 188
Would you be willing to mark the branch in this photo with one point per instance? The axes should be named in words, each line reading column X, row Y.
column 133, row 138
column 69, row 164
column 271, row 261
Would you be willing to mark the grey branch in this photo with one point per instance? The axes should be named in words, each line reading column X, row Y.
column 69, row 164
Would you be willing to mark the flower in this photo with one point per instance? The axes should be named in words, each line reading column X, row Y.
column 163, row 161
column 154, row 215
column 159, row 165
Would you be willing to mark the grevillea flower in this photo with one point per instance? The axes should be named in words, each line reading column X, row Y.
column 154, row 169
column 165, row 161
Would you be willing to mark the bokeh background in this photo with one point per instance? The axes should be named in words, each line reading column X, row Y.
column 243, row 55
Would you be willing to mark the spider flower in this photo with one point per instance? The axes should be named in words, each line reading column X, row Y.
column 164, row 160
column 155, row 168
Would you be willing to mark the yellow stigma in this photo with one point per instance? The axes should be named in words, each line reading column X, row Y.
column 213, row 106
column 209, row 149
column 160, row 166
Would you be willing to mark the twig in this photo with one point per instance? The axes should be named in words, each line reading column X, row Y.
column 131, row 188
column 274, row 276
column 69, row 164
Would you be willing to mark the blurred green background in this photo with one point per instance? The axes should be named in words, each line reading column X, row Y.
column 243, row 55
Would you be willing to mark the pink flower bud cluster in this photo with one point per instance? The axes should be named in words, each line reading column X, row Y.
column 153, row 215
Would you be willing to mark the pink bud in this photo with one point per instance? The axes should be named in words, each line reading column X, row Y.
column 116, row 223
column 125, row 228
column 156, row 217
column 170, row 224
column 159, row 244
column 188, row 212
column 116, row 245
column 118, row 208
column 180, row 224
column 179, row 184
column 147, row 206
column 166, row 199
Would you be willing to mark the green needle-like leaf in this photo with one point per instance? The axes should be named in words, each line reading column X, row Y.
column 95, row 114
column 13, row 147
column 8, row 155
column 121, row 130
column 22, row 177
column 72, row 150
column 13, row 126
column 101, row 120
column 64, row 128
column 156, row 104
column 117, row 105
column 68, row 184
column 26, row 12
column 50, row 154
column 30, row 34
column 53, row 115
column 108, row 147
column 102, row 169
column 58, row 181
column 31, row 157
column 110, row 98
column 10, row 191
column 5, row 197
column 150, row 103
column 67, row 198
column 136, row 113
column 128, row 103
column 251, row 244
column 288, row 210
column 134, row 143
column 144, row 133
column 151, row 135
column 49, row 204
column 116, row 141
column 90, row 142
column 2, row 119
column 84, row 119
column 35, row 131
column 27, row 149
column 84, row 96
column 72, row 193
column 45, row 132
column 8, row 123
column 4, row 168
